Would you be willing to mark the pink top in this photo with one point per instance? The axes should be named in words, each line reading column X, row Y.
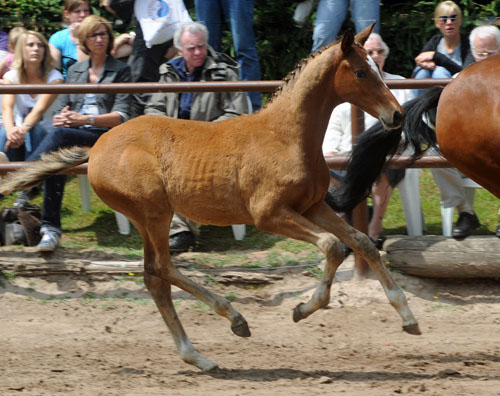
column 9, row 58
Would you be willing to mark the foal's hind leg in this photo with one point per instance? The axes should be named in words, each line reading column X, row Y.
column 161, row 291
column 168, row 272
column 362, row 245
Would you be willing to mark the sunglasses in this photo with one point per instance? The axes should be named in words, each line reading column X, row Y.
column 444, row 18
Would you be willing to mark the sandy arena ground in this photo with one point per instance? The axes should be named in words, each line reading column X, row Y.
column 76, row 334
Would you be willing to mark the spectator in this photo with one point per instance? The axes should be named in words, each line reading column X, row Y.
column 446, row 53
column 144, row 62
column 6, row 62
column 239, row 13
column 338, row 140
column 484, row 42
column 63, row 44
column 331, row 14
column 83, row 118
column 197, row 62
column 22, row 113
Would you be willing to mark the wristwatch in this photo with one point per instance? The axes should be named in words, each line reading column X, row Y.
column 92, row 120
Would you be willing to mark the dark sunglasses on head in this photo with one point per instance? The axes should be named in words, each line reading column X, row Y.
column 444, row 18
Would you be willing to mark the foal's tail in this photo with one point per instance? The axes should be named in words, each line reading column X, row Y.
column 376, row 146
column 49, row 164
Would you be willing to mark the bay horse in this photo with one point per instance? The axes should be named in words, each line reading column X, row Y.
column 463, row 119
column 265, row 169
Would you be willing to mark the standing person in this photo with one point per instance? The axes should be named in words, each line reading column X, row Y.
column 144, row 62
column 63, row 43
column 22, row 130
column 331, row 14
column 82, row 118
column 197, row 62
column 338, row 140
column 446, row 53
column 239, row 13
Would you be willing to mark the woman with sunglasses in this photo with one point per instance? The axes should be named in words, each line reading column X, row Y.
column 83, row 117
column 448, row 52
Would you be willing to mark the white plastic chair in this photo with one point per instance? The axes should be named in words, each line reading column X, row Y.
column 85, row 194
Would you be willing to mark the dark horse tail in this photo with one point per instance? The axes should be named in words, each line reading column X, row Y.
column 376, row 146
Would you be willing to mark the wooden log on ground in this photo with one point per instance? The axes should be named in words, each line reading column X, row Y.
column 442, row 257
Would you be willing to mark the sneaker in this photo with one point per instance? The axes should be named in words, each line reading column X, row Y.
column 22, row 199
column 50, row 241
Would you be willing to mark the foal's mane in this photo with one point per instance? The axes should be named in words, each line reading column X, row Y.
column 292, row 76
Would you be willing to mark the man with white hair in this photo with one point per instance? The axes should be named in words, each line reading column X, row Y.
column 338, row 140
column 197, row 61
column 484, row 42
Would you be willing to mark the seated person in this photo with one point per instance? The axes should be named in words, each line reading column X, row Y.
column 82, row 118
column 196, row 62
column 447, row 52
column 22, row 113
column 23, row 130
column 338, row 140
column 6, row 62
column 484, row 42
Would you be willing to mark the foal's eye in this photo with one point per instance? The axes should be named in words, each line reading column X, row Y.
column 360, row 74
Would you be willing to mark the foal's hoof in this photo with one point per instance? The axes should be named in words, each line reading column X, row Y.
column 297, row 315
column 412, row 329
column 240, row 328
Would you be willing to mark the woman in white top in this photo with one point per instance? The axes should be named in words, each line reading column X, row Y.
column 22, row 130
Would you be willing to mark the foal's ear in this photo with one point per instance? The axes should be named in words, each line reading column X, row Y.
column 347, row 41
column 362, row 36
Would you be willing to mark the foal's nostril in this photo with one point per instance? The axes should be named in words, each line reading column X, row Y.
column 397, row 118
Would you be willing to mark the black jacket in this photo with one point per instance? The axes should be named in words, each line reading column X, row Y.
column 442, row 60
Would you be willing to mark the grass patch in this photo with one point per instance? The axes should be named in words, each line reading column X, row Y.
column 97, row 230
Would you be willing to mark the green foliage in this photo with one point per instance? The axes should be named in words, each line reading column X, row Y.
column 405, row 25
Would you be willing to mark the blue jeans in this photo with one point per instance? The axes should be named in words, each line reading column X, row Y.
column 331, row 14
column 239, row 13
column 438, row 72
column 31, row 142
column 53, row 188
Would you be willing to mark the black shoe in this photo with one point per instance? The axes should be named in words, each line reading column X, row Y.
column 466, row 223
column 181, row 242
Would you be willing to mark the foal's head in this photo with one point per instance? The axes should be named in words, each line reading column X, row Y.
column 358, row 81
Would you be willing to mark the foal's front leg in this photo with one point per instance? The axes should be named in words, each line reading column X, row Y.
column 361, row 244
column 297, row 226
